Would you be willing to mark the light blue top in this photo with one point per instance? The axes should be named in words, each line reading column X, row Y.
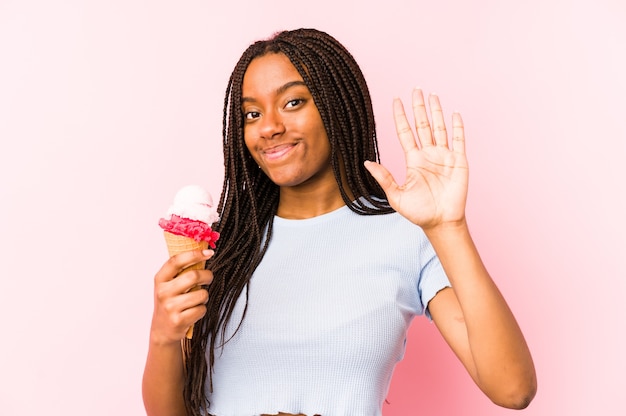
column 329, row 308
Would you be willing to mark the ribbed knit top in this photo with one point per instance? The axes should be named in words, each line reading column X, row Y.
column 328, row 311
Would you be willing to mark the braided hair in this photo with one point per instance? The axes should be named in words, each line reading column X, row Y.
column 249, row 199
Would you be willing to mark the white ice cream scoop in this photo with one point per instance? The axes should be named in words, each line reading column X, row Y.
column 195, row 203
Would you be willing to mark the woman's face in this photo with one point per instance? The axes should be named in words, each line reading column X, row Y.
column 283, row 129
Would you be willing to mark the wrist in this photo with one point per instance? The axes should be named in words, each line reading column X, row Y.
column 162, row 341
column 447, row 228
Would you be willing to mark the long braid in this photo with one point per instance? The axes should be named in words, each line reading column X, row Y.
column 339, row 89
column 249, row 199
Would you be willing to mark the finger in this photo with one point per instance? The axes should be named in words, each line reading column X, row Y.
column 403, row 128
column 194, row 298
column 177, row 263
column 175, row 301
column 422, row 125
column 170, row 293
column 192, row 315
column 382, row 176
column 182, row 318
column 458, row 134
column 187, row 280
column 439, row 124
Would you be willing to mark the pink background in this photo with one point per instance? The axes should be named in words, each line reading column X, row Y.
column 107, row 107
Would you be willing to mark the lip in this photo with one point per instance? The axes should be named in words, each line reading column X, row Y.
column 277, row 152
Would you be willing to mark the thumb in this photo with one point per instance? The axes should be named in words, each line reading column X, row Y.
column 382, row 176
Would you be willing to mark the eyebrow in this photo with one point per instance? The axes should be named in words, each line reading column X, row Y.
column 279, row 90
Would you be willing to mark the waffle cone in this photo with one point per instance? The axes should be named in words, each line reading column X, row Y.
column 179, row 244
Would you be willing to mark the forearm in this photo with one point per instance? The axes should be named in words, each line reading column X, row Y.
column 498, row 357
column 163, row 381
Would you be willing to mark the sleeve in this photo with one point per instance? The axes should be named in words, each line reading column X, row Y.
column 432, row 277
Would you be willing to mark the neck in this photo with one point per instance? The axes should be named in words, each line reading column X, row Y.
column 297, row 203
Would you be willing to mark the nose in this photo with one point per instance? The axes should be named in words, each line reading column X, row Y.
column 271, row 125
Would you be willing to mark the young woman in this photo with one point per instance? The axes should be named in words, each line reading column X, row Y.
column 323, row 258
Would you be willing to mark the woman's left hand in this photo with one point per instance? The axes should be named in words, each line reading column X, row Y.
column 435, row 189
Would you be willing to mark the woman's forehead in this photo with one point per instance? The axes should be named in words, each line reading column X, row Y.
column 270, row 73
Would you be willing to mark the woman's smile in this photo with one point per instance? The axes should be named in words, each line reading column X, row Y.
column 279, row 152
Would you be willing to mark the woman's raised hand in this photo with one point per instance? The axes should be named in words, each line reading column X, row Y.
column 176, row 308
column 435, row 189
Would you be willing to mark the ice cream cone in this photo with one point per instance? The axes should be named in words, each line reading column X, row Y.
column 178, row 244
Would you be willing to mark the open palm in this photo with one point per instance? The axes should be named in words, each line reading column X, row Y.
column 435, row 189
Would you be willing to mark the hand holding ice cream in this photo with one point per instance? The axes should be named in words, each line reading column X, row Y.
column 187, row 225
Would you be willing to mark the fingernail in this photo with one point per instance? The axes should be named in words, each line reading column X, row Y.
column 207, row 252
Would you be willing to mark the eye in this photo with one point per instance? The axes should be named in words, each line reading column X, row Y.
column 294, row 103
column 251, row 115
